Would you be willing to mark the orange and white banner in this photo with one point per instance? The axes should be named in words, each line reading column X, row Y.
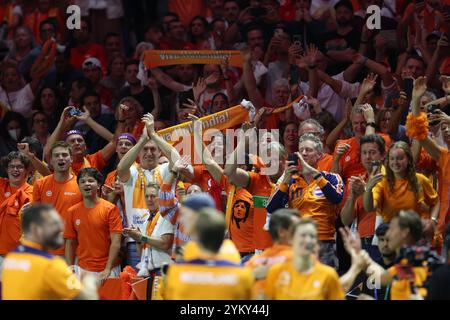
column 158, row 58
column 221, row 120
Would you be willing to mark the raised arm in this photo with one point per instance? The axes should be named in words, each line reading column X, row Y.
column 249, row 80
column 123, row 168
column 65, row 122
column 203, row 153
column 167, row 149
column 357, row 186
column 38, row 165
column 240, row 178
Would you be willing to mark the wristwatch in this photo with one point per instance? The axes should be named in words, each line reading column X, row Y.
column 435, row 220
column 370, row 124
column 317, row 176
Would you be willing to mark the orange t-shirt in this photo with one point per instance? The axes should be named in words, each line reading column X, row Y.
column 62, row 195
column 206, row 181
column 11, row 201
column 90, row 161
column 278, row 253
column 242, row 221
column 325, row 163
column 387, row 203
column 111, row 178
column 350, row 161
column 261, row 188
column 366, row 220
column 92, row 228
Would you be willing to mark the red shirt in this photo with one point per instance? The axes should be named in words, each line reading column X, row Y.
column 81, row 53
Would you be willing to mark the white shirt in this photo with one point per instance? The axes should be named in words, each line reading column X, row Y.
column 138, row 216
column 153, row 258
column 331, row 101
column 20, row 101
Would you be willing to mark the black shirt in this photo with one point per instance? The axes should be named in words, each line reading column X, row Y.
column 439, row 285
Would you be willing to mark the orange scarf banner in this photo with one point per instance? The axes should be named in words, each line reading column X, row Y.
column 159, row 58
column 221, row 120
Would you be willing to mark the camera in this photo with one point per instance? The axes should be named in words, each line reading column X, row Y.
column 417, row 256
column 74, row 112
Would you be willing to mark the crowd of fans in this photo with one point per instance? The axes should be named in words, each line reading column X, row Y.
column 363, row 151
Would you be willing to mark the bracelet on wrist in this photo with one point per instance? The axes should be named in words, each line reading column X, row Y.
column 370, row 124
column 318, row 175
column 143, row 239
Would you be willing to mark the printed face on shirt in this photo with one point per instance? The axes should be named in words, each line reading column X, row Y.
column 309, row 152
column 369, row 153
column 398, row 161
column 241, row 210
column 149, row 155
column 77, row 144
column 305, row 239
column 151, row 199
column 17, row 173
column 61, row 159
column 122, row 147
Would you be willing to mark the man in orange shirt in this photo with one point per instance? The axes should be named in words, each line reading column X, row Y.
column 280, row 228
column 314, row 193
column 60, row 188
column 43, row 12
column 353, row 212
column 14, row 193
column 77, row 143
column 347, row 161
column 94, row 227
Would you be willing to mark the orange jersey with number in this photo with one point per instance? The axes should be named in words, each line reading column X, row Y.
column 261, row 188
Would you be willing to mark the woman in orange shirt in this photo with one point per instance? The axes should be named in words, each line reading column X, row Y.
column 402, row 188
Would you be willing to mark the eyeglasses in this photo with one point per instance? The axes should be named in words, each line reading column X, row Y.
column 40, row 121
column 18, row 167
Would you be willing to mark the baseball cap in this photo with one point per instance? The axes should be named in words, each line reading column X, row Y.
column 92, row 62
column 197, row 201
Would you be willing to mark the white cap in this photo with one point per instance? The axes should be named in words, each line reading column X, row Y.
column 89, row 62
